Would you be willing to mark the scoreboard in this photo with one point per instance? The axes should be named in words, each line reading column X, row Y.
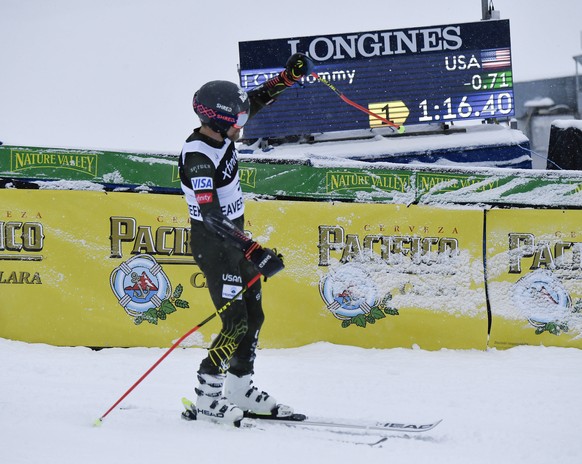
column 411, row 76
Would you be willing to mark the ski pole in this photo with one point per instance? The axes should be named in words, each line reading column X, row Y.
column 251, row 282
column 398, row 127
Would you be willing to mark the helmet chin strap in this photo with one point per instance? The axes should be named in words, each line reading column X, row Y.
column 220, row 130
column 209, row 130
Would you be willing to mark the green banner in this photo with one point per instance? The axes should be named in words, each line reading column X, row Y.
column 102, row 167
column 289, row 179
column 301, row 181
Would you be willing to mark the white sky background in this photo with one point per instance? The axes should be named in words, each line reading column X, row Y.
column 120, row 74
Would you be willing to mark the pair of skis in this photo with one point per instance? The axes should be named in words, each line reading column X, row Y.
column 381, row 430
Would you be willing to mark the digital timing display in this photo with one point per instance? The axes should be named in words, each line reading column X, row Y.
column 410, row 76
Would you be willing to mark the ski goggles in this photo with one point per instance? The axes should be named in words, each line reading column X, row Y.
column 241, row 120
column 238, row 122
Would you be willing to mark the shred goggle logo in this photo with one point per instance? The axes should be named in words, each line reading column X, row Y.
column 144, row 290
column 351, row 295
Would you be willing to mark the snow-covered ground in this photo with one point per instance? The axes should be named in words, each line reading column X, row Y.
column 508, row 407
column 120, row 74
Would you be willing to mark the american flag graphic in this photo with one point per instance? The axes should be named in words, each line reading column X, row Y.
column 495, row 58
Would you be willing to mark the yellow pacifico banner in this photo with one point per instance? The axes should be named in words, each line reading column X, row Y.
column 374, row 275
column 114, row 269
column 534, row 269
column 97, row 269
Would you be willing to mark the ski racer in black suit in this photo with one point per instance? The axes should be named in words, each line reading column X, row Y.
column 229, row 260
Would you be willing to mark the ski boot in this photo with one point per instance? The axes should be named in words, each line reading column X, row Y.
column 211, row 405
column 254, row 402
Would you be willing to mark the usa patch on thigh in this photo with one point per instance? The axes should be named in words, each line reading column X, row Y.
column 231, row 291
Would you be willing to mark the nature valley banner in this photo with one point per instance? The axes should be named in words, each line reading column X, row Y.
column 114, row 269
column 310, row 178
column 534, row 268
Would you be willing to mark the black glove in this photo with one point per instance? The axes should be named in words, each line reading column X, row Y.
column 280, row 256
column 266, row 260
column 298, row 65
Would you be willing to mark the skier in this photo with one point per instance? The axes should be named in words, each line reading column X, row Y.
column 227, row 257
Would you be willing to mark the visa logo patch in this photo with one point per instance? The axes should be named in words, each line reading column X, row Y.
column 200, row 183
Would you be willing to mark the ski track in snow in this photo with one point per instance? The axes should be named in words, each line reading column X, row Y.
column 515, row 406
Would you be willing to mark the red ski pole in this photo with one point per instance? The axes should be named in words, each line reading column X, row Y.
column 398, row 127
column 251, row 282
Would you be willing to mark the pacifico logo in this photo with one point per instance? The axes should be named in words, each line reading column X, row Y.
column 546, row 303
column 406, row 245
column 552, row 267
column 21, row 242
column 356, row 287
column 144, row 291
column 352, row 296
column 140, row 284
